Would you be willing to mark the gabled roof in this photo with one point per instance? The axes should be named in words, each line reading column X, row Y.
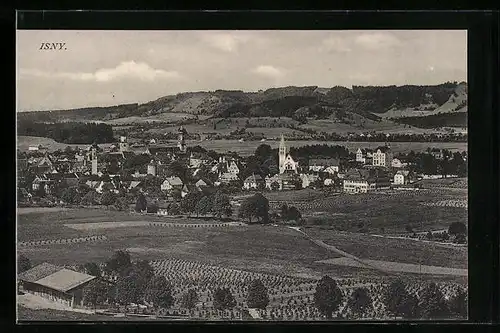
column 190, row 188
column 174, row 181
column 383, row 149
column 253, row 178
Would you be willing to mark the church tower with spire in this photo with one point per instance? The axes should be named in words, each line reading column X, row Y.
column 283, row 151
column 181, row 144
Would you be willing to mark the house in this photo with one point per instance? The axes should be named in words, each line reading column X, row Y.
column 363, row 154
column 44, row 165
column 437, row 153
column 330, row 165
column 71, row 179
column 403, row 177
column 289, row 181
column 364, row 180
column 382, row 157
column 172, row 183
column 329, row 181
column 253, row 182
column 157, row 150
column 42, row 182
column 134, row 184
column 396, row 163
column 227, row 177
column 56, row 283
column 201, row 184
column 273, row 182
column 307, row 179
column 189, row 188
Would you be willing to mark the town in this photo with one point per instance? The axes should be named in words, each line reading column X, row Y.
column 271, row 187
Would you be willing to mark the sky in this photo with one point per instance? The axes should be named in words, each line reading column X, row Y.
column 103, row 68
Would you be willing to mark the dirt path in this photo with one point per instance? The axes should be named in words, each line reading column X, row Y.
column 342, row 253
column 37, row 302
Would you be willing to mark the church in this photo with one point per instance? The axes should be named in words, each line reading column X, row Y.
column 286, row 162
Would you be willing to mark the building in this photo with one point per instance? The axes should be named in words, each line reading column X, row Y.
column 172, row 183
column 152, row 168
column 329, row 165
column 93, row 155
column 254, row 182
column 189, row 188
column 437, row 153
column 364, row 180
column 308, row 179
column 403, row 177
column 362, row 155
column 286, row 162
column 56, row 283
column 382, row 157
column 123, row 144
column 396, row 163
column 227, row 177
column 44, row 165
column 181, row 143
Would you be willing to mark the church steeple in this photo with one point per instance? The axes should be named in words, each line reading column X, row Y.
column 282, row 154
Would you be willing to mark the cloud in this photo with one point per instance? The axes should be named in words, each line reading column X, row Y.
column 224, row 41
column 335, row 44
column 269, row 71
column 126, row 69
column 376, row 40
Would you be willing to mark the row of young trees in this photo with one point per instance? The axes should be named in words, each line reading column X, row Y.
column 431, row 304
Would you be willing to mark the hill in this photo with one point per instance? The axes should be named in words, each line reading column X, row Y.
column 303, row 104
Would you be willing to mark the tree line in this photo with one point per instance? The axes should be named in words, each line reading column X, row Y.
column 68, row 132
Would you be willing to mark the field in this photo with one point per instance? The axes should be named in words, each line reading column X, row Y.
column 248, row 147
column 29, row 315
column 399, row 267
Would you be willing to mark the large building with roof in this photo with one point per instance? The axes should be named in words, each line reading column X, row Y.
column 55, row 283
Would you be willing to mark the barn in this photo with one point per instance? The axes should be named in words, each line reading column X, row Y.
column 55, row 283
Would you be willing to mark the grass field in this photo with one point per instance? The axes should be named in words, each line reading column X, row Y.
column 365, row 246
column 30, row 315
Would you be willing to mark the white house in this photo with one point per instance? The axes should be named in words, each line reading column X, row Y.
column 382, row 157
column 253, row 182
column 330, row 165
column 307, row 179
column 227, row 177
column 403, row 177
column 171, row 183
column 363, row 154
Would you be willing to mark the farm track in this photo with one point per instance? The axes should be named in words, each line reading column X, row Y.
column 64, row 241
column 342, row 253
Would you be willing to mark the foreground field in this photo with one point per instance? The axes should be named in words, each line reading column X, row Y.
column 272, row 249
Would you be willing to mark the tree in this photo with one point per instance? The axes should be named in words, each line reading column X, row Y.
column 96, row 293
column 23, row 263
column 188, row 203
column 433, row 305
column 108, row 198
column 204, row 206
column 257, row 295
column 152, row 207
column 284, row 212
column 458, row 303
column 399, row 302
column 263, row 152
column 119, row 262
column 327, row 296
column 360, row 301
column 159, row 292
column 189, row 299
column 129, row 289
column 91, row 198
column 294, row 214
column 70, row 195
column 255, row 206
column 223, row 299
column 140, row 204
column 92, row 268
column 121, row 204
column 221, row 205
column 457, row 228
column 173, row 209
